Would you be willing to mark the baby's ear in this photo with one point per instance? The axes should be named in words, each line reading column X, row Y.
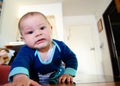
column 51, row 27
column 22, row 38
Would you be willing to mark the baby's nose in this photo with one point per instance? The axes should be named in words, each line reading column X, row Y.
column 38, row 32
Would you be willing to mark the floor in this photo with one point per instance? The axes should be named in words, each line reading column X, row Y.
column 91, row 80
column 84, row 78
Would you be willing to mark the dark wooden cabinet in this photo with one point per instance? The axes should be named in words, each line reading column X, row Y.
column 117, row 2
column 111, row 19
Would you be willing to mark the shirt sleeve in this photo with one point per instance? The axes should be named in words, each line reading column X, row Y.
column 17, row 70
column 21, row 63
column 70, row 60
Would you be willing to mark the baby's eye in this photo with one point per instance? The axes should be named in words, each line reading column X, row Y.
column 30, row 32
column 42, row 28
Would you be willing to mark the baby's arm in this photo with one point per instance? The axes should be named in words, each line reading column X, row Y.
column 23, row 80
column 71, row 64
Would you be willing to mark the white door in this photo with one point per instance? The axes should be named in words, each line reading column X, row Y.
column 80, row 40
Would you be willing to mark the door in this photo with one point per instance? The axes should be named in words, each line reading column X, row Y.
column 80, row 40
column 112, row 27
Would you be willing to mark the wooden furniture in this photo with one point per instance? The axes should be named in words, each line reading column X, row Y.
column 117, row 2
column 4, row 71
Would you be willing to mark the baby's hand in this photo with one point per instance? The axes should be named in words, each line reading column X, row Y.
column 33, row 83
column 23, row 80
column 66, row 78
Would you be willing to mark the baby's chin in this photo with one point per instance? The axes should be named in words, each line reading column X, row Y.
column 40, row 47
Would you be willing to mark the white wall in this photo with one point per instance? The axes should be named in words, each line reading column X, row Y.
column 107, row 65
column 12, row 10
column 8, row 22
column 101, row 8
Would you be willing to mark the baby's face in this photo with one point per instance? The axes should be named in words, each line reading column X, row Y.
column 36, row 31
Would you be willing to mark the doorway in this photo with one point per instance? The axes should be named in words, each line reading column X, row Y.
column 111, row 19
column 81, row 42
column 81, row 36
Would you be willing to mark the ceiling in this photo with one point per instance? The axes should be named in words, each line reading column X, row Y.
column 74, row 7
column 84, row 7
column 79, row 7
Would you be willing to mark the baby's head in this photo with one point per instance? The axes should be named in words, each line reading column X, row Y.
column 29, row 14
column 35, row 30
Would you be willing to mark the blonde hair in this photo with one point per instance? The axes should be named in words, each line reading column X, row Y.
column 30, row 14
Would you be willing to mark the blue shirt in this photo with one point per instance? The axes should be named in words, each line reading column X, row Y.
column 28, row 61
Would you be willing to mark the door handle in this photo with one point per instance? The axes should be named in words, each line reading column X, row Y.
column 92, row 49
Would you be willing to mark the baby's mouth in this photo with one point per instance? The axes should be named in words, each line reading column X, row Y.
column 40, row 41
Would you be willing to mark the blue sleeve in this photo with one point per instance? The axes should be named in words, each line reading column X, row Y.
column 22, row 62
column 69, row 58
